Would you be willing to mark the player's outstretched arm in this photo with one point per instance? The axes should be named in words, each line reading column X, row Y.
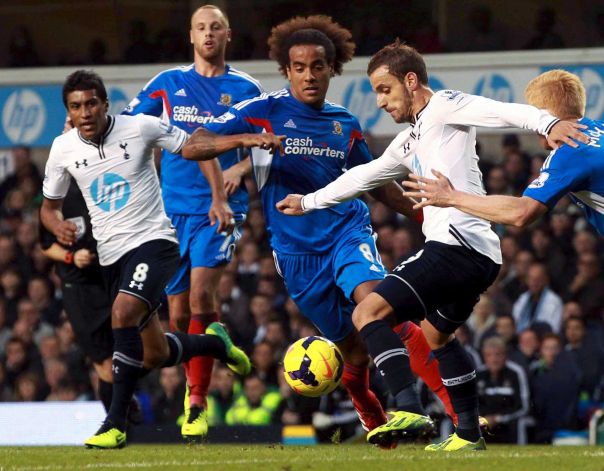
column 52, row 218
column 393, row 196
column 500, row 209
column 205, row 145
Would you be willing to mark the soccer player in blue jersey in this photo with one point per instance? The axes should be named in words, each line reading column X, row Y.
column 196, row 198
column 328, row 259
column 576, row 171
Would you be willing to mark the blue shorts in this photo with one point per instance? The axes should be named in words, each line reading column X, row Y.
column 200, row 246
column 322, row 285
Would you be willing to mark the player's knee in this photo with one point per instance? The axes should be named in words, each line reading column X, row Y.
column 155, row 355
column 354, row 351
column 180, row 321
column 123, row 315
column 202, row 299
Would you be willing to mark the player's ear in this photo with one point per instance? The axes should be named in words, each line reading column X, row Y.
column 288, row 71
column 229, row 35
column 106, row 106
column 411, row 82
column 191, row 36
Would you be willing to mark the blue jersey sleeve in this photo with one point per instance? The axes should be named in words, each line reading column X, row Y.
column 359, row 152
column 150, row 100
column 245, row 117
column 562, row 172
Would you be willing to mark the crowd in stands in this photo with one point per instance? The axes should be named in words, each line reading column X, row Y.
column 537, row 334
column 371, row 30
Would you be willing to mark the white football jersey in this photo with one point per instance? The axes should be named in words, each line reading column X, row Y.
column 118, row 180
column 442, row 138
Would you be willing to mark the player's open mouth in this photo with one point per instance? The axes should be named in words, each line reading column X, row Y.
column 312, row 90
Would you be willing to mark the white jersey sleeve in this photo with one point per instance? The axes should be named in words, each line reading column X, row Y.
column 161, row 134
column 458, row 108
column 56, row 177
column 394, row 163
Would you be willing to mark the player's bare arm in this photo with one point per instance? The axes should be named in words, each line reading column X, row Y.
column 220, row 211
column 291, row 205
column 567, row 132
column 500, row 209
column 52, row 218
column 393, row 196
column 233, row 175
column 205, row 145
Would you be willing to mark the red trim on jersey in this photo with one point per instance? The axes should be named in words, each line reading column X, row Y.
column 261, row 122
column 161, row 93
column 355, row 134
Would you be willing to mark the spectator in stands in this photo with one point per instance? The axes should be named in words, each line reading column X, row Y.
column 545, row 37
column 503, row 391
column 549, row 254
column 497, row 181
column 224, row 391
column 234, row 308
column 538, row 307
column 248, row 267
column 256, row 406
column 482, row 34
column 29, row 315
column 167, row 401
column 139, row 50
column 528, row 345
column 24, row 170
column 482, row 319
column 18, row 359
column 555, row 386
column 27, row 388
column 265, row 364
column 262, row 312
column 515, row 283
column 588, row 356
column 41, row 293
column 587, row 286
column 5, row 330
column 21, row 49
column 505, row 328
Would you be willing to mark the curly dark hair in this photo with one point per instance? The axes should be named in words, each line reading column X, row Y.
column 315, row 29
column 400, row 60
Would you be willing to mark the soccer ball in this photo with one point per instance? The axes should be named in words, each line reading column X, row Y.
column 313, row 366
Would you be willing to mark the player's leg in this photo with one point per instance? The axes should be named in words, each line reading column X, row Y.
column 209, row 252
column 423, row 363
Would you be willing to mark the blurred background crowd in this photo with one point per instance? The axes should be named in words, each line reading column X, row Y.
column 136, row 32
column 537, row 334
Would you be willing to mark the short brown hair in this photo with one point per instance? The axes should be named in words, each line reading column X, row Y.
column 400, row 60
column 559, row 92
column 316, row 29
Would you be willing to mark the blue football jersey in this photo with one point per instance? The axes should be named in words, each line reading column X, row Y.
column 189, row 100
column 320, row 145
column 578, row 171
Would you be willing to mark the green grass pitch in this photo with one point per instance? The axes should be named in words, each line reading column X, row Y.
column 292, row 458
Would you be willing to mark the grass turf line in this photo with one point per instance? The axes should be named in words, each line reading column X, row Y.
column 277, row 457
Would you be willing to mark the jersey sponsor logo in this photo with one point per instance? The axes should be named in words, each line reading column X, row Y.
column 191, row 114
column 290, row 124
column 540, row 180
column 110, row 192
column 225, row 99
column 23, row 116
column 305, row 146
column 180, row 92
column 337, row 128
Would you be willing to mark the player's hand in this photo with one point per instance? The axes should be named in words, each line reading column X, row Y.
column 291, row 205
column 221, row 211
column 83, row 258
column 232, row 180
column 567, row 132
column 66, row 233
column 429, row 192
column 68, row 126
column 267, row 141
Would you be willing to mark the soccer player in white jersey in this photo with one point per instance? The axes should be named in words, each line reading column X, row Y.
column 578, row 172
column 111, row 160
column 461, row 257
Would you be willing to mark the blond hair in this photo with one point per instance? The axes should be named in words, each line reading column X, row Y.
column 559, row 92
column 212, row 7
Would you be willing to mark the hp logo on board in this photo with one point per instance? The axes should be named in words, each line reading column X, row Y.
column 360, row 100
column 23, row 116
column 110, row 192
column 496, row 87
